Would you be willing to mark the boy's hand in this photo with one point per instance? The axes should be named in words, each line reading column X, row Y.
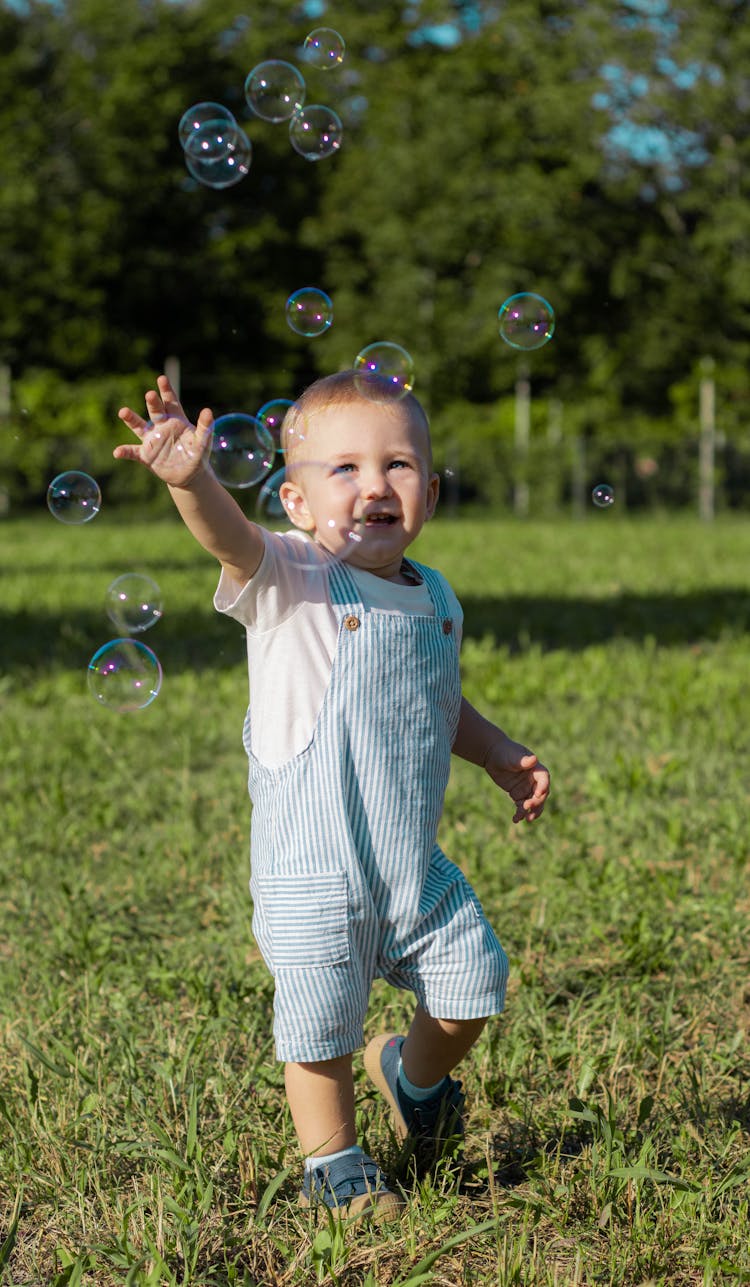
column 170, row 446
column 517, row 770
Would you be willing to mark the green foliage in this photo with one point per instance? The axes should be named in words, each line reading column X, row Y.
column 468, row 171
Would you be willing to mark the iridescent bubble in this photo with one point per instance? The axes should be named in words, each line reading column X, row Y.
column 124, row 675
column 242, row 451
column 271, row 416
column 218, row 154
column 274, row 90
column 341, row 529
column 74, row 497
column 384, row 371
column 603, row 495
column 316, row 132
column 133, row 603
column 198, row 115
column 309, row 311
column 526, row 321
column 324, row 48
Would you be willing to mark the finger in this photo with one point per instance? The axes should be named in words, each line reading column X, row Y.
column 205, row 426
column 127, row 451
column 172, row 404
column 133, row 421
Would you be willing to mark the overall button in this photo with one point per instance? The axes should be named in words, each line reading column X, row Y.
column 351, row 623
column 447, row 626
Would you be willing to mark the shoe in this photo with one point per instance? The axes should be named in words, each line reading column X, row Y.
column 352, row 1186
column 431, row 1128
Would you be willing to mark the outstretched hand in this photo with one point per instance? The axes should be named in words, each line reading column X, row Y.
column 516, row 770
column 170, row 446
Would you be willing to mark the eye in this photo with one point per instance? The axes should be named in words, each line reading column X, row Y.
column 343, row 469
column 399, row 464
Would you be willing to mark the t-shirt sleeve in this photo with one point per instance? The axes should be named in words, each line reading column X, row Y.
column 290, row 572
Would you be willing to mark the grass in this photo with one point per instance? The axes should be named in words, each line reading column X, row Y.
column 143, row 1133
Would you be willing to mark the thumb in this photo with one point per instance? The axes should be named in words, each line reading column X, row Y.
column 205, row 424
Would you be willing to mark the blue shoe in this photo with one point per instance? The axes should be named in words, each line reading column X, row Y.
column 351, row 1186
column 431, row 1128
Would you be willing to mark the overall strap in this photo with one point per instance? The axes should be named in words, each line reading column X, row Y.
column 343, row 587
column 435, row 583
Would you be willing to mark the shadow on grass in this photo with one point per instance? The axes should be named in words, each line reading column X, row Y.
column 42, row 639
column 519, row 1156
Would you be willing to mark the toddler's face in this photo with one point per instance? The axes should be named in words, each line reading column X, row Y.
column 363, row 466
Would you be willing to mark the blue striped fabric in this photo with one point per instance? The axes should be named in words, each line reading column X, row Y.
column 347, row 879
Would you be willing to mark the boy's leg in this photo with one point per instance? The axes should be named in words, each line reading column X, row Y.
column 337, row 1172
column 321, row 1099
column 412, row 1073
column 434, row 1046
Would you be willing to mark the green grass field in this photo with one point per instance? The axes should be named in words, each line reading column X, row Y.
column 143, row 1133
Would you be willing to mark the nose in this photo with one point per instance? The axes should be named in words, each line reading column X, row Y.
column 374, row 484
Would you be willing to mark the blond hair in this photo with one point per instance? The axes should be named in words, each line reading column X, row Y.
column 339, row 390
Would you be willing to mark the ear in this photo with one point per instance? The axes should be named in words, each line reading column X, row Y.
column 433, row 491
column 295, row 505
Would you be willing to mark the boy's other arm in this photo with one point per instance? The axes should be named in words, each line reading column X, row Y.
column 177, row 452
column 512, row 766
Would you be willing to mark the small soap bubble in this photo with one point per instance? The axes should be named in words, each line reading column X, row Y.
column 309, row 311
column 316, row 132
column 324, row 48
column 384, row 371
column 603, row 496
column 133, row 603
column 198, row 115
column 271, row 416
column 242, row 450
column 275, row 90
column 218, row 154
column 526, row 321
column 74, row 497
column 124, row 675
column 341, row 529
column 269, row 508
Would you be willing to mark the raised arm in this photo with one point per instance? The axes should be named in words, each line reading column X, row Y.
column 177, row 452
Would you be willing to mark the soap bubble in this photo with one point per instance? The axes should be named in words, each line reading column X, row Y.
column 269, row 507
column 384, row 371
column 242, row 450
column 274, row 90
column 526, row 321
column 74, row 497
column 133, row 603
column 198, row 115
column 218, row 154
column 309, row 311
column 324, row 48
column 316, row 132
column 603, row 495
column 271, row 416
column 124, row 675
column 340, row 530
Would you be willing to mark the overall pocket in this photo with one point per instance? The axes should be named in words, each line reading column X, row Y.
column 305, row 918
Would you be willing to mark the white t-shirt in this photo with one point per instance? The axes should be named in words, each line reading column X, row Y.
column 292, row 630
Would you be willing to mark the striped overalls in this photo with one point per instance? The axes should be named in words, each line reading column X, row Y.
column 347, row 879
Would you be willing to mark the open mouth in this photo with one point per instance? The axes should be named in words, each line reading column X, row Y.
column 379, row 520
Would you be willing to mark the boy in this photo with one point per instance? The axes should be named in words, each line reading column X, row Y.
column 355, row 707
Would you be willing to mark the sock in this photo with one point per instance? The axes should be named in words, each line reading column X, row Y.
column 353, row 1151
column 416, row 1093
